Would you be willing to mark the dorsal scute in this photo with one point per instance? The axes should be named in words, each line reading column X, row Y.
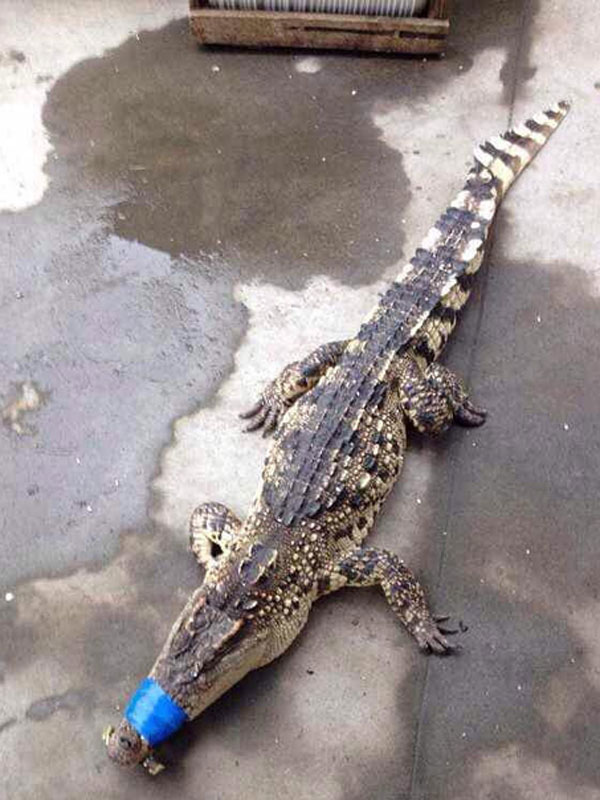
column 330, row 413
column 407, row 315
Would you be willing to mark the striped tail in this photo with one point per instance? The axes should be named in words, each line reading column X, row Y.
column 460, row 235
column 507, row 156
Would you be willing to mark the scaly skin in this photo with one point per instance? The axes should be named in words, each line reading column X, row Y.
column 340, row 417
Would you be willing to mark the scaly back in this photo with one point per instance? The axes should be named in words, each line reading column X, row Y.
column 418, row 311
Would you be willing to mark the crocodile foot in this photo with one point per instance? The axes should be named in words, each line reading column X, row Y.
column 469, row 415
column 266, row 413
column 431, row 637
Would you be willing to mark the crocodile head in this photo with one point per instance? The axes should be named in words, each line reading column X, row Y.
column 211, row 647
column 208, row 650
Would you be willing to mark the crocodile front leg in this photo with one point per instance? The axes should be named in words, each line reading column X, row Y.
column 213, row 527
column 295, row 380
column 435, row 398
column 368, row 566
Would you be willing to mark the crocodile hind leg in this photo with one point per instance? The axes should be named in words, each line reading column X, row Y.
column 435, row 398
column 368, row 566
column 213, row 527
column 294, row 381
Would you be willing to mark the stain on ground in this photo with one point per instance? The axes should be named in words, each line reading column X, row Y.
column 103, row 620
column 526, row 582
column 4, row 726
column 18, row 56
column 517, row 67
column 69, row 701
column 27, row 398
column 201, row 156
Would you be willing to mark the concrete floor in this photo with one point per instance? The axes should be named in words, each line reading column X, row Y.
column 180, row 223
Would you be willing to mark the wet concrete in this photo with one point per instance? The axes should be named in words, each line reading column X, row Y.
column 134, row 251
column 528, row 573
column 206, row 212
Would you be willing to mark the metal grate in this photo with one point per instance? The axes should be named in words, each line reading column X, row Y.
column 374, row 8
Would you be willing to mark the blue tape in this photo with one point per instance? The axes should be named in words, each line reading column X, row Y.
column 153, row 714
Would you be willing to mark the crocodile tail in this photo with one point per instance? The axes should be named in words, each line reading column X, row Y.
column 507, row 156
column 459, row 237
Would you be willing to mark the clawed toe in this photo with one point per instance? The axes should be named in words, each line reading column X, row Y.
column 252, row 412
column 260, row 415
column 264, row 414
column 440, row 646
column 270, row 422
column 432, row 637
column 448, row 631
column 470, row 415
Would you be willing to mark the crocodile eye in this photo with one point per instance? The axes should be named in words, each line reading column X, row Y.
column 125, row 743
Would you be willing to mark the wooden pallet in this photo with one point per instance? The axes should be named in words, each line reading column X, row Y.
column 412, row 35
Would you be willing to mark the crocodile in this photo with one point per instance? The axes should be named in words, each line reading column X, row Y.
column 339, row 418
